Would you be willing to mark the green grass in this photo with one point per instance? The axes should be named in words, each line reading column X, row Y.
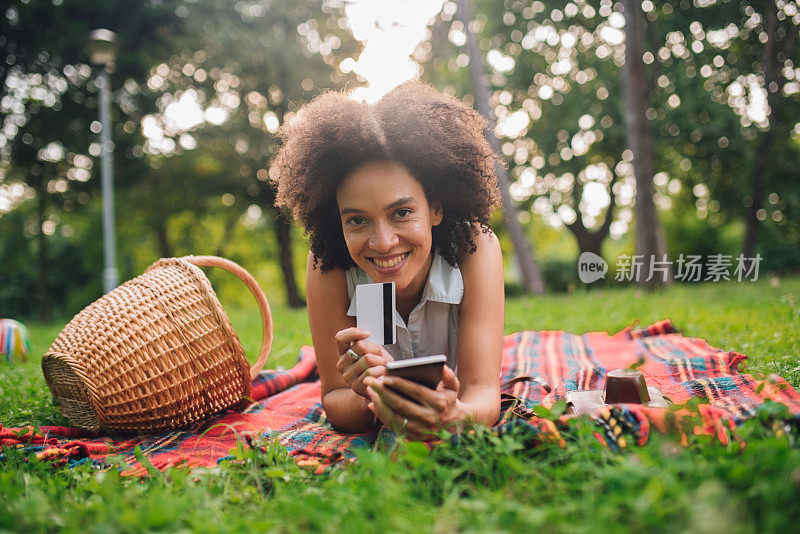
column 482, row 482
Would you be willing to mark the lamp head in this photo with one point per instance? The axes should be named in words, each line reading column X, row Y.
column 102, row 46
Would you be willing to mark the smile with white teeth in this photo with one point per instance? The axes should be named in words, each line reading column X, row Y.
column 385, row 264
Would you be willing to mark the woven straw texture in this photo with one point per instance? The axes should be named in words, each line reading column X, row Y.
column 156, row 353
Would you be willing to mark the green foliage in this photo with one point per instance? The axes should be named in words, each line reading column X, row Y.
column 199, row 189
column 779, row 247
column 686, row 234
column 259, row 65
column 48, row 148
column 563, row 70
column 560, row 275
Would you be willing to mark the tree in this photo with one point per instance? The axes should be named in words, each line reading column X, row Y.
column 778, row 52
column 726, row 98
column 547, row 76
column 530, row 269
column 557, row 73
column 47, row 102
column 649, row 235
column 247, row 68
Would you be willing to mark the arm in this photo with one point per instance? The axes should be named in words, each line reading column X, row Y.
column 326, row 295
column 480, row 330
column 475, row 394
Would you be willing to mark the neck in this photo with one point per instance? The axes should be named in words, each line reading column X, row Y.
column 409, row 297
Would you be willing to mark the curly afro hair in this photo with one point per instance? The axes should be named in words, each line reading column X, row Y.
column 436, row 137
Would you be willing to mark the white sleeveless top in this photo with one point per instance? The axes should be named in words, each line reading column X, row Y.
column 433, row 323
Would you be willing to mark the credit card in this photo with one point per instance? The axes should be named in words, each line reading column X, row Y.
column 375, row 305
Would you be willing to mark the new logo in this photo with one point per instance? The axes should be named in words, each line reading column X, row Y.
column 591, row 267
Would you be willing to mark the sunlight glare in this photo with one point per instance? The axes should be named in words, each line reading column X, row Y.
column 596, row 197
column 390, row 32
column 513, row 125
column 184, row 113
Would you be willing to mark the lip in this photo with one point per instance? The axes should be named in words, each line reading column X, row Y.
column 393, row 268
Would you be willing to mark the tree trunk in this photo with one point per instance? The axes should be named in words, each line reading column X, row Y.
column 591, row 241
column 531, row 276
column 639, row 132
column 164, row 247
column 283, row 231
column 758, row 180
column 44, row 267
column 756, row 196
column 230, row 226
column 160, row 213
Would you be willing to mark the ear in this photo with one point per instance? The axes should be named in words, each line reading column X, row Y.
column 436, row 213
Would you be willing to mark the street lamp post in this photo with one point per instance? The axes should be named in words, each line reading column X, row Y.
column 102, row 46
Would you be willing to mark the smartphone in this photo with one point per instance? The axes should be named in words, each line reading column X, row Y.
column 425, row 370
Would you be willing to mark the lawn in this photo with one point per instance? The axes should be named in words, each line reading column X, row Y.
column 482, row 482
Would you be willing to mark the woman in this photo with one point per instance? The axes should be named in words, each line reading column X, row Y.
column 400, row 191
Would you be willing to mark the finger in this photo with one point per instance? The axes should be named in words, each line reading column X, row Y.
column 436, row 404
column 348, row 367
column 372, row 360
column 383, row 412
column 343, row 363
column 449, row 380
column 346, row 361
column 362, row 363
column 377, row 411
column 410, row 427
column 373, row 372
column 417, row 392
column 362, row 347
column 345, row 338
column 402, row 405
column 358, row 384
column 352, row 371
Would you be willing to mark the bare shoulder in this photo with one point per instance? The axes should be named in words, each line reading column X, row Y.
column 487, row 257
column 324, row 287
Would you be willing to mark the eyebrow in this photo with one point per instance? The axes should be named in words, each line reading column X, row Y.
column 396, row 203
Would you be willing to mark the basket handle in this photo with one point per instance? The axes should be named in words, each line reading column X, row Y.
column 255, row 289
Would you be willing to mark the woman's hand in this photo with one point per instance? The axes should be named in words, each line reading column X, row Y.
column 371, row 360
column 427, row 412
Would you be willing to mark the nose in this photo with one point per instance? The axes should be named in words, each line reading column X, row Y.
column 383, row 239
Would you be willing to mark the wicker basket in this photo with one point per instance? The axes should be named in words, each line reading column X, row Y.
column 156, row 353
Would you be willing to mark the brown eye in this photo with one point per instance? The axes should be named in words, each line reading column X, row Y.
column 355, row 221
column 402, row 212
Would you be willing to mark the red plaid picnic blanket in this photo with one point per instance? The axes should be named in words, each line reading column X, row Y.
column 288, row 406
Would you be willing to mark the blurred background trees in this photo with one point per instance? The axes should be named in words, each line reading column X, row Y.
column 249, row 66
column 557, row 90
column 49, row 211
column 201, row 87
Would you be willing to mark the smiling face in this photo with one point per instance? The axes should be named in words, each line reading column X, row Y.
column 386, row 221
